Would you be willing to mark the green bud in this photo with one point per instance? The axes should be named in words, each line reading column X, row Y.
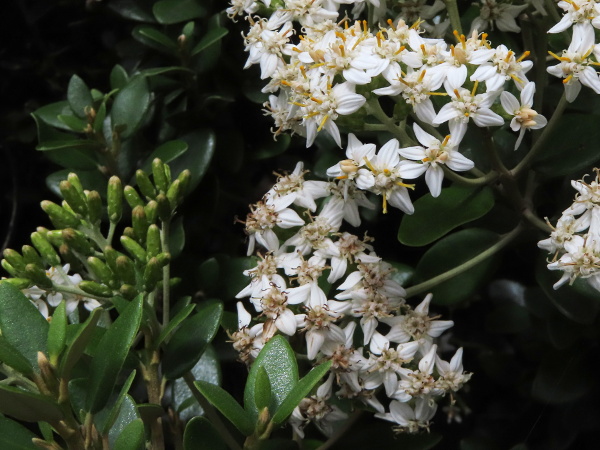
column 91, row 287
column 60, row 217
column 14, row 258
column 31, row 256
column 54, row 237
column 168, row 174
column 114, row 199
column 73, row 197
column 10, row 269
column 111, row 255
column 151, row 211
column 38, row 276
column 132, row 197
column 140, row 223
column 174, row 194
column 160, row 177
column 100, row 270
column 126, row 270
column 75, row 182
column 42, row 230
column 144, row 183
column 68, row 256
column 134, row 249
column 94, row 203
column 184, row 178
column 128, row 231
column 153, row 244
column 152, row 274
column 77, row 241
column 164, row 207
column 45, row 248
column 163, row 259
column 19, row 283
column 128, row 291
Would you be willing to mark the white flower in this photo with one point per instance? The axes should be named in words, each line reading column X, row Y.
column 408, row 419
column 577, row 12
column 428, row 159
column 452, row 375
column 502, row 14
column 503, row 67
column 304, row 193
column 524, row 118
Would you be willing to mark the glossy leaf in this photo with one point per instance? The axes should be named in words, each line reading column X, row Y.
column 79, row 96
column 214, row 35
column 271, row 148
column 262, row 389
column 301, row 390
column 226, row 404
column 450, row 252
column 105, row 418
column 77, row 346
column 152, row 37
column 199, row 433
column 13, row 358
column 132, row 436
column 130, row 106
column 27, row 406
column 138, row 10
column 118, row 77
column 110, row 354
column 14, row 436
column 571, row 146
column 166, row 152
column 435, row 217
column 197, row 159
column 127, row 414
column 21, row 324
column 174, row 323
column 57, row 332
column 174, row 11
column 279, row 361
column 49, row 114
column 188, row 343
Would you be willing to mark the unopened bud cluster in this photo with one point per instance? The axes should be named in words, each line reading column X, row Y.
column 77, row 243
column 382, row 349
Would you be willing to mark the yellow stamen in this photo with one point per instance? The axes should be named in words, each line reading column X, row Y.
column 573, row 4
column 379, row 38
column 437, row 93
column 299, row 104
column 560, row 58
column 320, row 102
column 342, row 177
column 516, row 78
column 341, row 36
column 400, row 50
column 358, row 41
column 447, row 138
column 384, row 203
column 369, row 165
column 386, row 172
column 426, row 160
column 409, row 186
column 323, row 122
column 365, row 26
column 417, row 24
column 391, row 24
column 341, row 47
column 474, row 88
column 523, row 56
column 457, row 93
column 566, row 80
column 296, row 49
column 422, row 75
column 509, row 55
column 423, row 49
column 302, row 69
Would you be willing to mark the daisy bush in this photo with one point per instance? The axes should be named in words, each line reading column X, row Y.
column 302, row 224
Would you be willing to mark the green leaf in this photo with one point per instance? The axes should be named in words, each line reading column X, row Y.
column 301, row 390
column 127, row 414
column 11, row 357
column 162, row 70
column 105, row 419
column 138, row 10
column 279, row 361
column 57, row 333
column 167, row 152
column 402, row 274
column 74, row 123
column 209, row 39
column 226, row 404
column 199, row 433
column 188, row 343
column 272, row 148
column 79, row 96
column 151, row 37
column 110, row 354
column 206, row 369
column 67, row 144
column 27, row 406
column 14, row 436
column 571, row 146
column 132, row 436
column 435, row 217
column 176, row 238
column 262, row 389
column 118, row 77
column 197, row 159
column 130, row 106
column 21, row 324
column 48, row 114
column 449, row 253
column 169, row 12
column 173, row 323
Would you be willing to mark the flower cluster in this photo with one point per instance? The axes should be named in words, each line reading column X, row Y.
column 376, row 341
column 575, row 241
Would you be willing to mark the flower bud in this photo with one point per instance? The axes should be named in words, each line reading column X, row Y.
column 91, row 287
column 132, row 197
column 144, row 183
column 126, row 269
column 46, row 249
column 111, row 255
column 73, row 197
column 94, row 203
column 140, row 223
column 174, row 194
column 9, row 268
column 19, row 283
column 160, row 177
column 14, row 258
column 38, row 276
column 184, row 178
column 153, row 244
column 134, row 249
column 152, row 274
column 77, row 241
column 128, row 231
column 31, row 256
column 68, row 256
column 151, row 210
column 114, row 199
column 47, row 372
column 100, row 270
column 60, row 217
column 128, row 291
column 164, row 207
column 54, row 237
